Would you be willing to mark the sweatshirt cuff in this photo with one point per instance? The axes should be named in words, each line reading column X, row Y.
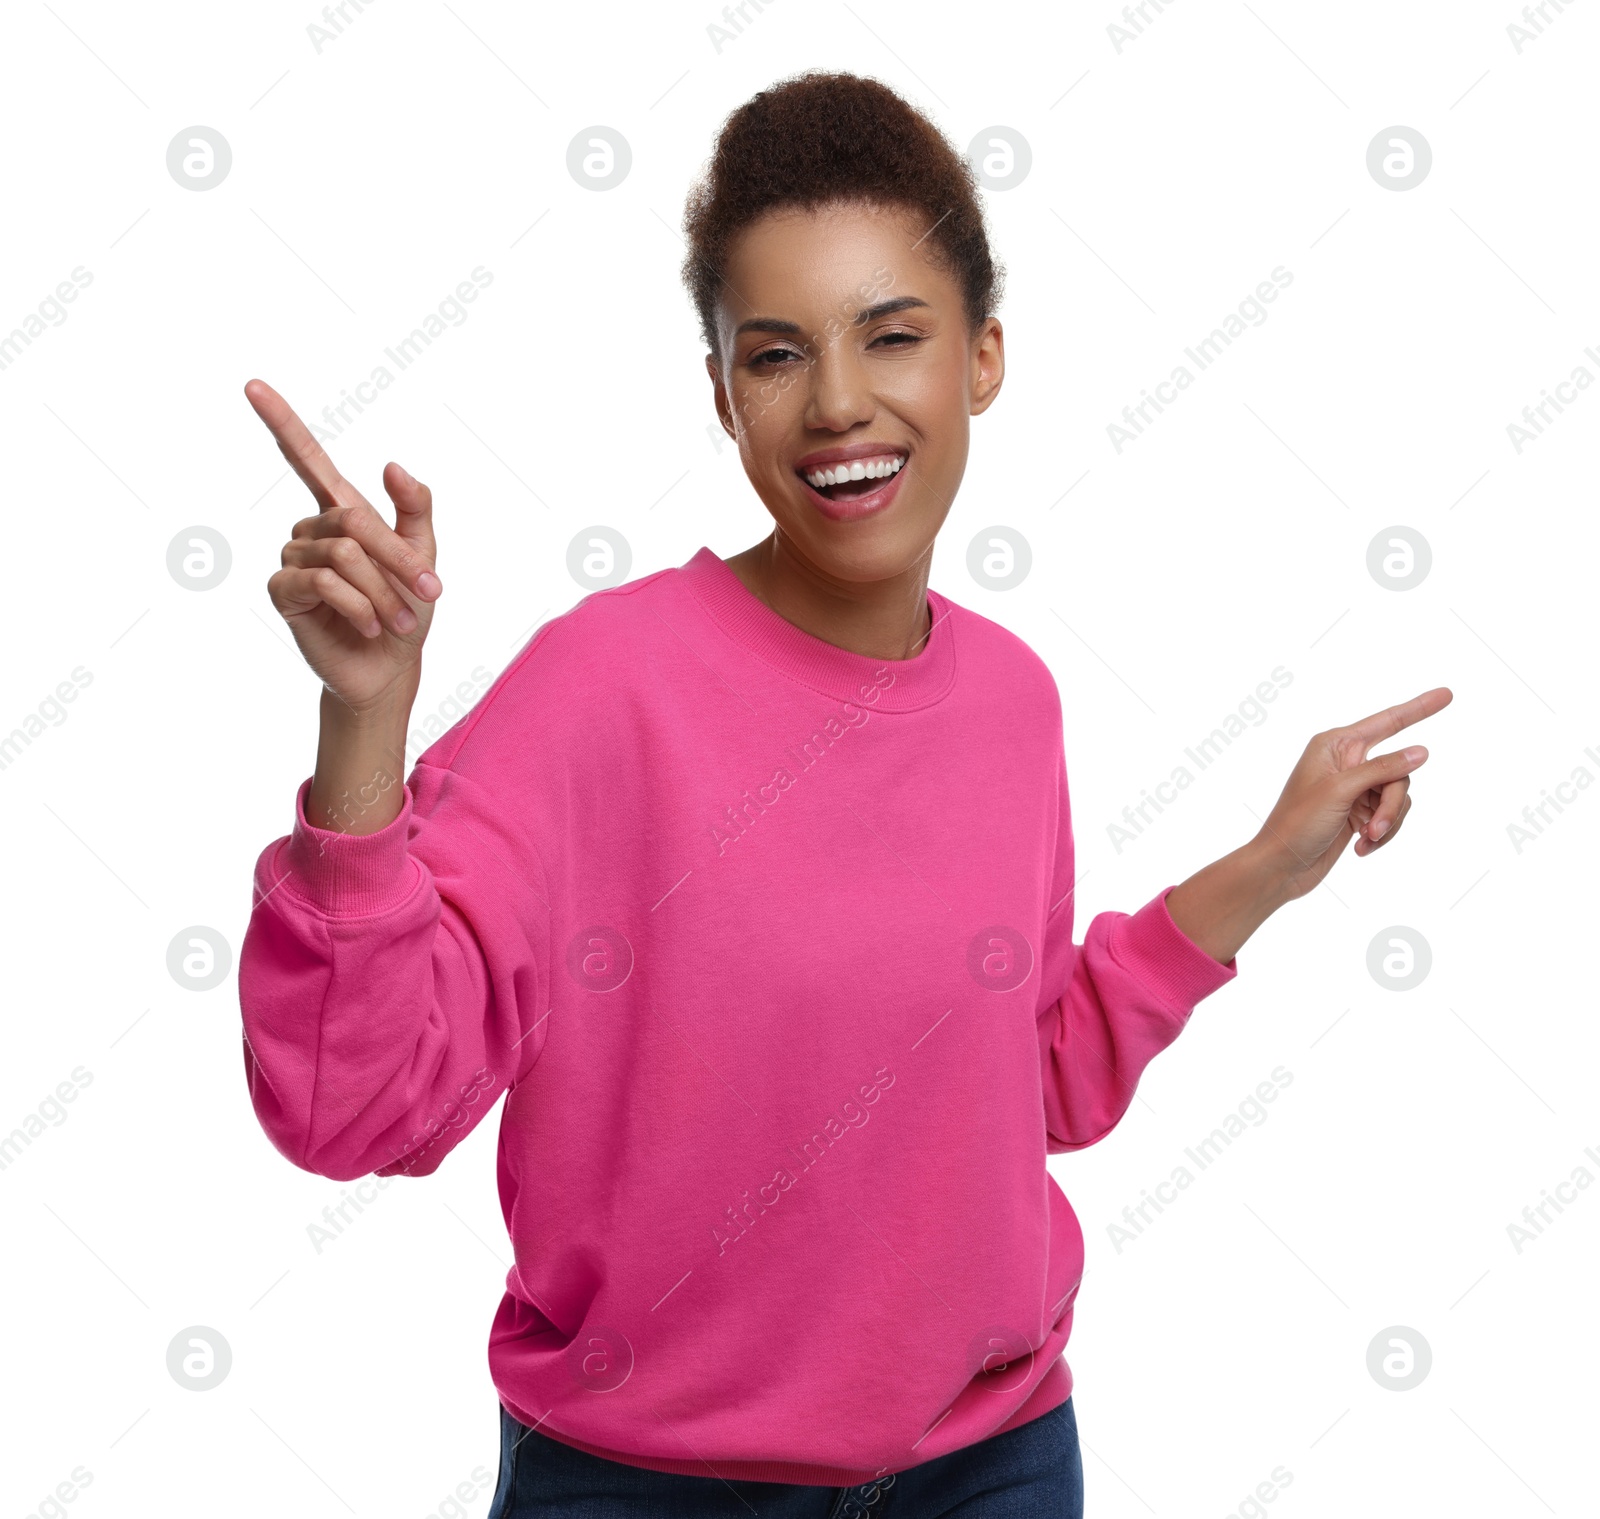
column 1165, row 959
column 348, row 874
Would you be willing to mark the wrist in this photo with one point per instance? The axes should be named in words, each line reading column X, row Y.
column 1270, row 868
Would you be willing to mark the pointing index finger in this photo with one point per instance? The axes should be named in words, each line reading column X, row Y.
column 1391, row 720
column 306, row 456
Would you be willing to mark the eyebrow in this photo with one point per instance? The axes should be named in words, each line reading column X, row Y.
column 793, row 329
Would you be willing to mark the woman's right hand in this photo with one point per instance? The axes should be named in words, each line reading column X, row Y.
column 357, row 594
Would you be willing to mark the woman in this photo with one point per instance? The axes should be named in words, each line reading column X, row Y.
column 750, row 883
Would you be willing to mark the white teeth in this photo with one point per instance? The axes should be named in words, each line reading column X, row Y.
column 858, row 469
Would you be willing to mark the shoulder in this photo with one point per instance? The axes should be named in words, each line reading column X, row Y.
column 1000, row 661
column 598, row 646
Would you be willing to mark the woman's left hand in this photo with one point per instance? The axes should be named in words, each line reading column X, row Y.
column 1336, row 793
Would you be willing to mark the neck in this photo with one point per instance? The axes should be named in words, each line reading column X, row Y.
column 881, row 619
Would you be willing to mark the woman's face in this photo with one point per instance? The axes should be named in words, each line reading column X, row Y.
column 845, row 351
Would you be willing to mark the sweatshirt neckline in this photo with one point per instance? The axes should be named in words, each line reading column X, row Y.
column 890, row 685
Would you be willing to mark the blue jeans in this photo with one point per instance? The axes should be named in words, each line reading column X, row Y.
column 1031, row 1472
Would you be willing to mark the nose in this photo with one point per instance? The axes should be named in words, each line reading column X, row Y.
column 840, row 397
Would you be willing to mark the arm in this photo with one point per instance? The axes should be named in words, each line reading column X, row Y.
column 392, row 984
column 391, row 976
column 1133, row 983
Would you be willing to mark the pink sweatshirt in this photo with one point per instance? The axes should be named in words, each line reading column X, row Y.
column 770, row 946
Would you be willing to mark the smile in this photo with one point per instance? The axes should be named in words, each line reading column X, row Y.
column 845, row 484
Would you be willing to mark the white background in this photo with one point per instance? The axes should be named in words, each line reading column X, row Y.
column 1168, row 179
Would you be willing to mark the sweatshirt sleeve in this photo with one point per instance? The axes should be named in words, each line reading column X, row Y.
column 392, row 984
column 1110, row 1004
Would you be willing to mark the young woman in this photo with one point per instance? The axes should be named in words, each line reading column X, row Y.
column 750, row 884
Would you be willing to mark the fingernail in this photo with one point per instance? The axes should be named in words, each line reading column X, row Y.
column 1380, row 828
column 428, row 584
column 405, row 619
column 405, row 474
column 1415, row 752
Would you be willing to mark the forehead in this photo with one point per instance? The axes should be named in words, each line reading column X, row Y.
column 802, row 263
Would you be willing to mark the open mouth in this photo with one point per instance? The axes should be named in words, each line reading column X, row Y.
column 860, row 477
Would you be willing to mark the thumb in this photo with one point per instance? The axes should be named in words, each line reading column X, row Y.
column 413, row 506
column 1378, row 771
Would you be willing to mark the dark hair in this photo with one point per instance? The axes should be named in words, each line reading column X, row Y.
column 824, row 138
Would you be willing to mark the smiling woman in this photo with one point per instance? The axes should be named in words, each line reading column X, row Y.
column 837, row 242
column 550, row 897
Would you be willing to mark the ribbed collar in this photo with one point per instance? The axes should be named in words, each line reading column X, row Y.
column 750, row 622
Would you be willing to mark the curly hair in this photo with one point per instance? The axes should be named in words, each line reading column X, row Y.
column 819, row 139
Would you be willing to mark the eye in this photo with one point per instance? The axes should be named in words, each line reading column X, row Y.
column 897, row 339
column 772, row 358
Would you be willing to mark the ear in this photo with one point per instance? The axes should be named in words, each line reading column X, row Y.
column 988, row 369
column 719, row 392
